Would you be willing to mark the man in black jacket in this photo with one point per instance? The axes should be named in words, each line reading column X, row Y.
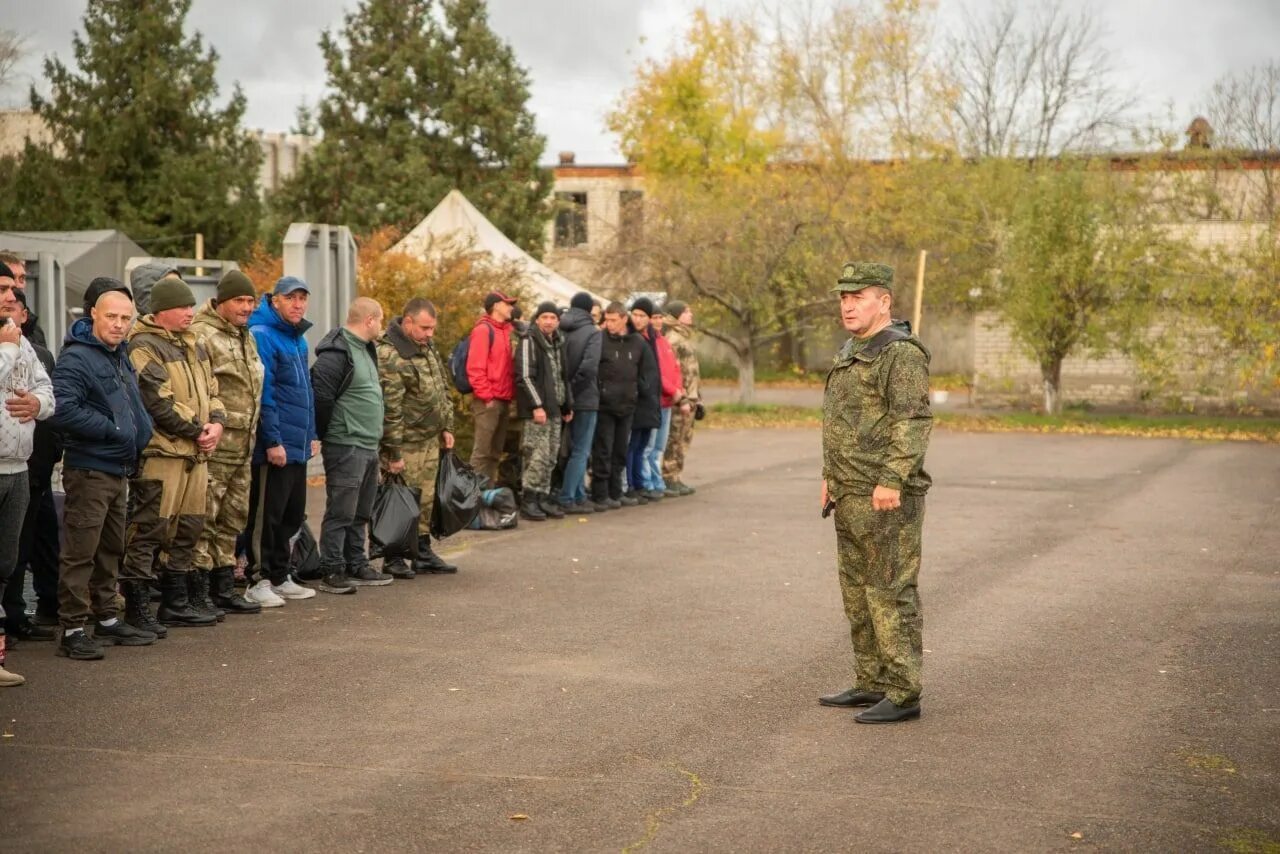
column 544, row 401
column 105, row 428
column 349, row 417
column 625, row 362
column 582, row 364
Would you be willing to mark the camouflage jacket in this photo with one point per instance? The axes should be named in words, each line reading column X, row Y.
column 239, row 372
column 875, row 416
column 681, row 339
column 415, row 391
column 178, row 388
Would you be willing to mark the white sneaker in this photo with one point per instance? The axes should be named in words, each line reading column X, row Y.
column 293, row 590
column 264, row 595
column 9, row 679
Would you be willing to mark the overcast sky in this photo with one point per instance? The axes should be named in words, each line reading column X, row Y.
column 580, row 53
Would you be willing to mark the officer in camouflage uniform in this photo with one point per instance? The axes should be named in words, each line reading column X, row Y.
column 418, row 420
column 222, row 326
column 875, row 430
column 680, row 336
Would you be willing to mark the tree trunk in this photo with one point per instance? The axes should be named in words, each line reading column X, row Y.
column 1052, row 375
column 746, row 375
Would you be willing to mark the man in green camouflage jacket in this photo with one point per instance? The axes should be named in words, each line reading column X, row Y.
column 418, row 421
column 875, row 430
column 680, row 335
column 222, row 325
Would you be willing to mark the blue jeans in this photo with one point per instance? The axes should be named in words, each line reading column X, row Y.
column 582, row 433
column 637, row 460
column 653, row 453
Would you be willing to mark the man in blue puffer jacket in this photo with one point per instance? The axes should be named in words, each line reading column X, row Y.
column 286, row 440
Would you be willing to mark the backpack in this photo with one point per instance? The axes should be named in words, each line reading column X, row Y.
column 458, row 363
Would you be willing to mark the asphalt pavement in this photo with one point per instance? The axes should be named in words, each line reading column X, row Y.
column 1101, row 632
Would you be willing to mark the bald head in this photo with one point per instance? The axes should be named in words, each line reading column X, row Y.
column 112, row 317
column 364, row 318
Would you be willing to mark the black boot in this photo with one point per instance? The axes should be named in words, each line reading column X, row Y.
column 429, row 561
column 198, row 594
column 529, row 508
column 175, row 608
column 550, row 506
column 398, row 568
column 222, row 590
column 137, row 608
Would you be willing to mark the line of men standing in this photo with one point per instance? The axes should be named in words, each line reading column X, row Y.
column 186, row 431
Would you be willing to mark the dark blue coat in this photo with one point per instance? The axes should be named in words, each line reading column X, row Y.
column 97, row 406
column 288, row 402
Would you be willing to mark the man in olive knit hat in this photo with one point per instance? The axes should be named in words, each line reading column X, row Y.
column 222, row 326
column 167, row 498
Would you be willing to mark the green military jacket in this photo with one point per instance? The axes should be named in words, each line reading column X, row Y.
column 178, row 388
column 681, row 340
column 238, row 368
column 415, row 391
column 875, row 416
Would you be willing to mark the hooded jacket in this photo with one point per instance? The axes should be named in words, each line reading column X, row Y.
column 620, row 377
column 142, row 279
column 178, row 388
column 288, row 416
column 100, row 416
column 236, row 364
column 542, row 380
column 648, row 414
column 490, row 362
column 20, row 369
column 669, row 368
column 582, row 358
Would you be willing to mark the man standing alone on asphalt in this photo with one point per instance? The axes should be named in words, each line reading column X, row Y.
column 349, row 417
column 105, row 429
column 679, row 334
column 418, row 421
column 491, row 372
column 875, row 430
column 222, row 326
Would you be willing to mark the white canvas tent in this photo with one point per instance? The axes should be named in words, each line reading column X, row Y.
column 457, row 217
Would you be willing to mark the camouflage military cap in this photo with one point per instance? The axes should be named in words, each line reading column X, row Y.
column 863, row 274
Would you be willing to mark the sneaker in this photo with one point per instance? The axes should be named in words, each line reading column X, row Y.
column 122, row 634
column 397, row 567
column 654, row 494
column 24, row 629
column 627, row 501
column 601, row 506
column 337, row 583
column 580, row 508
column 9, row 679
column 79, row 647
column 684, row 488
column 292, row 590
column 367, row 576
column 263, row 594
column 614, row 503
column 637, row 496
column 671, row 491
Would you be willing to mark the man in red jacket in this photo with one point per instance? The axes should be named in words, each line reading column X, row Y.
column 491, row 371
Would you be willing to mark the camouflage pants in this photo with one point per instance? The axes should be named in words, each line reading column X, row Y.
column 678, row 441
column 420, row 468
column 539, row 449
column 166, row 513
column 226, row 515
column 878, row 554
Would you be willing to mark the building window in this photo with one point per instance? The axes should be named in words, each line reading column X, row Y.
column 631, row 217
column 571, row 220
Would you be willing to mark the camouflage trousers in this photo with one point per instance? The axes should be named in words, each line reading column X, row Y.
column 539, row 450
column 420, row 468
column 878, row 555
column 226, row 514
column 166, row 514
column 678, row 441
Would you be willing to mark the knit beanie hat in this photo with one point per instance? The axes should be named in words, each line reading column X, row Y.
column 675, row 308
column 171, row 292
column 99, row 286
column 643, row 304
column 582, row 300
column 234, row 284
column 545, row 307
column 6, row 273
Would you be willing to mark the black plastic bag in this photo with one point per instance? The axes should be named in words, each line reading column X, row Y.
column 458, row 496
column 304, row 554
column 394, row 527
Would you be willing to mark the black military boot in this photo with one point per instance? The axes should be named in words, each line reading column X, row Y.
column 222, row 590
column 429, row 561
column 175, row 606
column 398, row 568
column 550, row 506
column 137, row 608
column 198, row 594
column 530, row 509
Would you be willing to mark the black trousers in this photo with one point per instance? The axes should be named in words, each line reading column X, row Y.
column 609, row 455
column 38, row 551
column 277, row 507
